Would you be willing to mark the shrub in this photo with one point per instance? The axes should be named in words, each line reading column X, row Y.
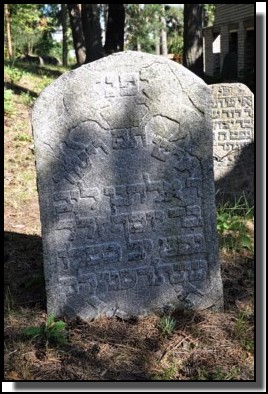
column 52, row 331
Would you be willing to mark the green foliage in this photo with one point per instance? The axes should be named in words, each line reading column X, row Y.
column 22, row 137
column 153, row 13
column 14, row 73
column 217, row 374
column 144, row 24
column 166, row 325
column 208, row 14
column 227, row 221
column 44, row 45
column 175, row 44
column 52, row 17
column 240, row 324
column 231, row 225
column 32, row 26
column 167, row 374
column 33, row 331
column 8, row 106
column 27, row 99
column 45, row 82
column 26, row 27
column 241, row 330
column 174, row 23
column 25, row 16
column 137, row 28
column 54, row 332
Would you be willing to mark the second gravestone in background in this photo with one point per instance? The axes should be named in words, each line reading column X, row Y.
column 126, row 188
column 233, row 129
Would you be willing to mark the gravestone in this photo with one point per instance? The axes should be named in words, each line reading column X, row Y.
column 233, row 147
column 125, row 178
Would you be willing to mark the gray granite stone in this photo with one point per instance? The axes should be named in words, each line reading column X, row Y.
column 126, row 187
column 233, row 129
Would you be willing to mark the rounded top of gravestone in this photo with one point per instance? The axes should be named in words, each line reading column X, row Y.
column 134, row 84
column 230, row 88
column 152, row 69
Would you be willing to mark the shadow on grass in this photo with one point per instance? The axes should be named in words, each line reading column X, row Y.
column 17, row 89
column 38, row 70
column 23, row 264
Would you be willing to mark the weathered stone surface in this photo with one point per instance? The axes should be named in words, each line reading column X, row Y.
column 233, row 150
column 125, row 178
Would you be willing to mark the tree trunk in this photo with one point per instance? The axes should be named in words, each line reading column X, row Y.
column 8, row 32
column 105, row 8
column 164, row 51
column 193, row 40
column 138, row 38
column 115, row 29
column 64, row 35
column 106, row 11
column 157, row 43
column 92, row 31
column 77, row 32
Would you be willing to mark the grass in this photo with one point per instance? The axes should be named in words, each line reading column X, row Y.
column 202, row 345
column 166, row 325
column 9, row 302
column 8, row 102
column 232, row 225
column 23, row 137
column 45, row 82
column 27, row 99
column 15, row 74
column 241, row 330
column 217, row 374
column 168, row 373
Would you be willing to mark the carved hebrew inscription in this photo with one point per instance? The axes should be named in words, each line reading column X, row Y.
column 233, row 128
column 126, row 191
column 233, row 117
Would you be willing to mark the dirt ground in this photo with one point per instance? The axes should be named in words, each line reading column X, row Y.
column 201, row 346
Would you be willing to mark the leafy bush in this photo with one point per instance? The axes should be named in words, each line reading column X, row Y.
column 52, row 331
column 231, row 225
